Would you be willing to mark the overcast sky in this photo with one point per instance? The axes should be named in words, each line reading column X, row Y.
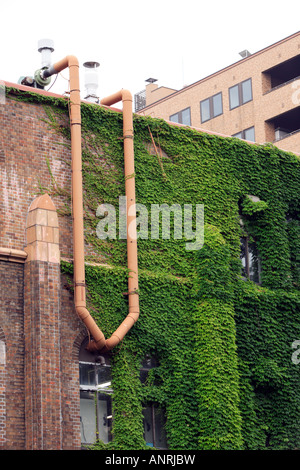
column 176, row 42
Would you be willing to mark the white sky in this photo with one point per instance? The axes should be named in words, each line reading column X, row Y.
column 176, row 42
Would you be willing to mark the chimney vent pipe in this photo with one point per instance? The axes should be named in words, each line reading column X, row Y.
column 91, row 81
column 46, row 47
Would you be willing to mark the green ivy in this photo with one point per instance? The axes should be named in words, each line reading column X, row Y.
column 250, row 207
column 224, row 376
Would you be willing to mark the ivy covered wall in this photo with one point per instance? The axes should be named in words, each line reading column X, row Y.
column 225, row 375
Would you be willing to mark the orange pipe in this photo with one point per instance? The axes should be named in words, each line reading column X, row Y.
column 71, row 62
column 99, row 343
column 132, row 259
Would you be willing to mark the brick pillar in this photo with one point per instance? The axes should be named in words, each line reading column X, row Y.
column 2, row 393
column 42, row 328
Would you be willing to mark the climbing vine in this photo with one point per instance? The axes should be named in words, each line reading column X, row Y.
column 224, row 373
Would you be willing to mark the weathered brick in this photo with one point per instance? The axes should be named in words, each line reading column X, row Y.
column 38, row 325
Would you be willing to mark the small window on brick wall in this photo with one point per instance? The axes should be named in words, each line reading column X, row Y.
column 182, row 117
column 246, row 134
column 240, row 94
column 211, row 107
column 95, row 397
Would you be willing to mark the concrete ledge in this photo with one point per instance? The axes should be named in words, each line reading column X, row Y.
column 14, row 256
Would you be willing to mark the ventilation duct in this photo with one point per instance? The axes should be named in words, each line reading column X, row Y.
column 46, row 47
column 91, row 81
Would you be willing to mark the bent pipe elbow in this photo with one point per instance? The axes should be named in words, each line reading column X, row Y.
column 118, row 335
column 68, row 61
column 98, row 336
column 122, row 95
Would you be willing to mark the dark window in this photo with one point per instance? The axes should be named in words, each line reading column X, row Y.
column 95, row 397
column 154, row 416
column 211, row 107
column 285, row 124
column 282, row 73
column 154, row 426
column 95, row 416
column 182, row 117
column 240, row 94
column 251, row 266
column 246, row 134
column 147, row 364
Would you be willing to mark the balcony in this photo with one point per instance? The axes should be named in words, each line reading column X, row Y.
column 285, row 124
column 281, row 74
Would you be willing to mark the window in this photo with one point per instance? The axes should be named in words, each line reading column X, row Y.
column 95, row 397
column 211, row 107
column 154, row 415
column 147, row 364
column 182, row 117
column 246, row 134
column 240, row 94
column 154, row 427
column 251, row 267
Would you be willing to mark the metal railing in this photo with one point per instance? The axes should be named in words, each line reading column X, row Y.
column 286, row 135
column 139, row 100
column 282, row 84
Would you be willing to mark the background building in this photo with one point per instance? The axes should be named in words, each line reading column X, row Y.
column 209, row 364
column 256, row 98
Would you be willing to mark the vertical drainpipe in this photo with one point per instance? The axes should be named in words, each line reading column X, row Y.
column 99, row 343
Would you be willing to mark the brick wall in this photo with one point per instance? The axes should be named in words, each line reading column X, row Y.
column 12, row 414
column 56, row 385
column 28, row 145
column 2, row 390
column 40, row 333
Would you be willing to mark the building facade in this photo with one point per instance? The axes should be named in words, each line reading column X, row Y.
column 36, row 396
column 256, row 98
column 200, row 369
